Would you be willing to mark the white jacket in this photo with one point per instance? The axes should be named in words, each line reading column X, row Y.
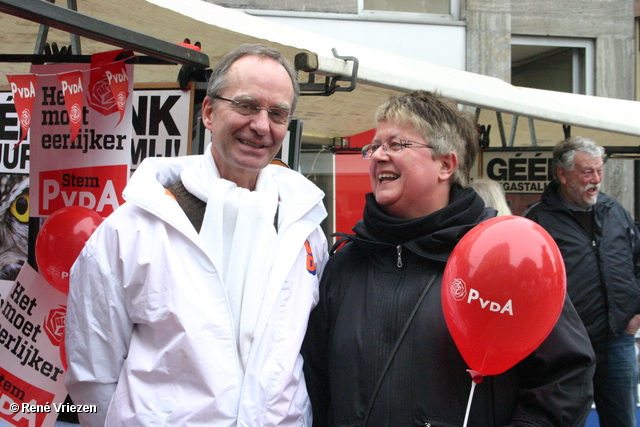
column 149, row 334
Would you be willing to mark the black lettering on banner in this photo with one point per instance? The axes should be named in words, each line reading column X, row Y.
column 61, row 117
column 520, row 187
column 13, row 390
column 71, row 180
column 51, row 96
column 146, row 147
column 14, row 159
column 162, row 114
column 517, row 169
column 139, row 116
column 6, row 111
column 153, row 114
column 497, row 169
column 533, row 171
column 86, row 140
column 537, row 170
column 17, row 310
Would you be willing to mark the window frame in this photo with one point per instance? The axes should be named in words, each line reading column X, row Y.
column 583, row 67
column 454, row 14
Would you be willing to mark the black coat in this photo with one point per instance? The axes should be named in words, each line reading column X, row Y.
column 603, row 273
column 368, row 292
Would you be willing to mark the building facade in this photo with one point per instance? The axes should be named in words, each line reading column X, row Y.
column 578, row 46
column 588, row 45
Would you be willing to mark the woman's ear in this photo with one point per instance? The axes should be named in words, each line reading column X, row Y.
column 448, row 165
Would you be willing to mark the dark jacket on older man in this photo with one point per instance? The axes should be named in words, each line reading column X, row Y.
column 602, row 260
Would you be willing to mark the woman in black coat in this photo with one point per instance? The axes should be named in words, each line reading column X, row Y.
column 378, row 351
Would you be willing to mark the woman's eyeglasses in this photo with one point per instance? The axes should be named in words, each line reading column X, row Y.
column 395, row 145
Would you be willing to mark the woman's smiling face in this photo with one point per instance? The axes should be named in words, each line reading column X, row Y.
column 409, row 183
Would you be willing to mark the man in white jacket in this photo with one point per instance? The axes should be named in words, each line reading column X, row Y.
column 189, row 304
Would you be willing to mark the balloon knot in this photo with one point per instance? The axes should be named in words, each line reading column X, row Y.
column 476, row 376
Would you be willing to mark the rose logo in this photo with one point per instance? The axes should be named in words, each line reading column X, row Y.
column 76, row 113
column 25, row 118
column 458, row 289
column 122, row 101
column 54, row 324
column 100, row 97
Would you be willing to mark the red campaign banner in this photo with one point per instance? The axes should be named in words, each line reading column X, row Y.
column 32, row 374
column 118, row 79
column 98, row 188
column 18, row 398
column 23, row 88
column 73, row 93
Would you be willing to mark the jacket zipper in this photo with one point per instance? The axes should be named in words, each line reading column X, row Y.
column 399, row 249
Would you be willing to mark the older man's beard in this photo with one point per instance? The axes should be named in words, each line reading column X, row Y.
column 578, row 193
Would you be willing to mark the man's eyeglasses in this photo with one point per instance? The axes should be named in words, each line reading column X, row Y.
column 395, row 145
column 280, row 116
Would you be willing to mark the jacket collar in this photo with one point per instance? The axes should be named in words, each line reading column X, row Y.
column 299, row 197
column 433, row 236
column 555, row 201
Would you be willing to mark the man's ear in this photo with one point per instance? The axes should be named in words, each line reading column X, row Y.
column 207, row 111
column 562, row 175
column 448, row 165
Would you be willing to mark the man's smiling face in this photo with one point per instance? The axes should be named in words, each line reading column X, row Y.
column 243, row 145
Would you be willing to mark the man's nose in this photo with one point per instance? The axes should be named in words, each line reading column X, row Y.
column 261, row 122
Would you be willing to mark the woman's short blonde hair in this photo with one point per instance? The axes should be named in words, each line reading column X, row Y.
column 440, row 123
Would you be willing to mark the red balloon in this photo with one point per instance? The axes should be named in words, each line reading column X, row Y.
column 502, row 292
column 60, row 240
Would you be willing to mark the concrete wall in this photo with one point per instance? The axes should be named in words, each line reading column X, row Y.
column 489, row 37
column 490, row 24
column 608, row 22
column 618, row 182
column 330, row 6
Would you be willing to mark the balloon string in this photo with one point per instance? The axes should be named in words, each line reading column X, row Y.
column 466, row 416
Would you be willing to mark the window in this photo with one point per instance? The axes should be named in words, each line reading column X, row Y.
column 419, row 9
column 559, row 64
column 442, row 7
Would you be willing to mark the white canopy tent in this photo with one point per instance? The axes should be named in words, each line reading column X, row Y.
column 382, row 70
column 379, row 74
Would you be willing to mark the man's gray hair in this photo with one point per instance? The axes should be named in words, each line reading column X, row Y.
column 564, row 153
column 218, row 79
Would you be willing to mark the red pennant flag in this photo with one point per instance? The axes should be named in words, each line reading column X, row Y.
column 23, row 88
column 118, row 79
column 100, row 97
column 73, row 93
